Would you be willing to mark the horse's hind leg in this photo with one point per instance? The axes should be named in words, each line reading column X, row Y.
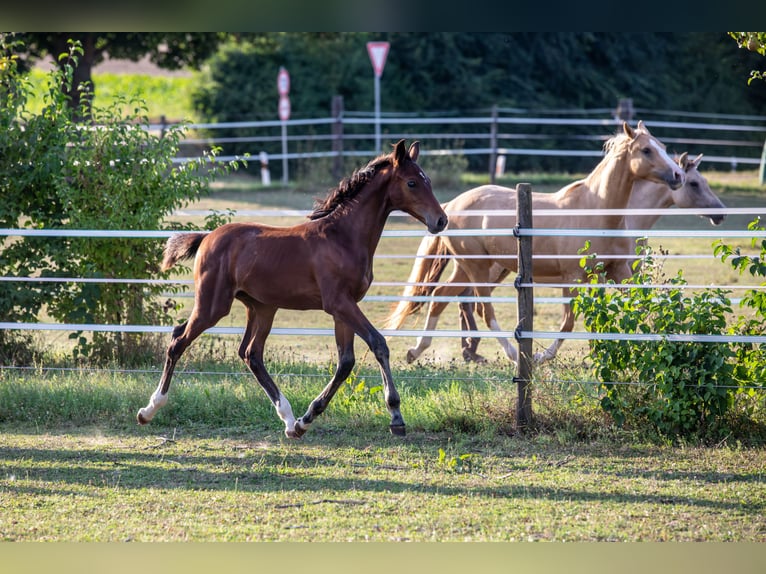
column 468, row 323
column 435, row 309
column 259, row 322
column 183, row 336
column 344, row 340
column 203, row 316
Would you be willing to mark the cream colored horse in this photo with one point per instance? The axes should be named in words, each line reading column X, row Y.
column 695, row 193
column 630, row 156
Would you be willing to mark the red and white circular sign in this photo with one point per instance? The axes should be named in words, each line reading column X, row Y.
column 284, row 108
column 283, row 82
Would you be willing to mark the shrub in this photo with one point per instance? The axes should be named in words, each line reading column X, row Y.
column 750, row 357
column 682, row 387
column 106, row 173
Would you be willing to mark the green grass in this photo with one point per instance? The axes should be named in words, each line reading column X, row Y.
column 88, row 483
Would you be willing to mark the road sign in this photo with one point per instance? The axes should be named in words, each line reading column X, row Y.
column 283, row 82
column 378, row 52
column 284, row 108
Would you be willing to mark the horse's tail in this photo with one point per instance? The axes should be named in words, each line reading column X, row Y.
column 429, row 264
column 181, row 246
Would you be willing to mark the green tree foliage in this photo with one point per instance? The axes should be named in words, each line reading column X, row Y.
column 464, row 73
column 108, row 174
column 755, row 42
column 439, row 71
column 170, row 50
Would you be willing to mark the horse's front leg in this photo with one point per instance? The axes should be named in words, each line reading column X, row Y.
column 344, row 341
column 567, row 324
column 348, row 312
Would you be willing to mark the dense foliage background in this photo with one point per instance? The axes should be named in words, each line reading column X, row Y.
column 446, row 71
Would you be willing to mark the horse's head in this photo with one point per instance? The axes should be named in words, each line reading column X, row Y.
column 696, row 192
column 649, row 160
column 410, row 189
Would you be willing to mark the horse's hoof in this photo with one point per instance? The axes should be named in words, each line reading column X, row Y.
column 398, row 430
column 471, row 357
column 296, row 433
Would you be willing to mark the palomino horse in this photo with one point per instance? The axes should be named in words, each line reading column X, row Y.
column 694, row 193
column 324, row 263
column 631, row 155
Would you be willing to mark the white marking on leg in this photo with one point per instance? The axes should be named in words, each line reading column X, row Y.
column 285, row 412
column 549, row 353
column 510, row 350
column 424, row 342
column 156, row 402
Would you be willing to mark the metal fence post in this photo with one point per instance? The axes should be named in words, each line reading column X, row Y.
column 525, row 306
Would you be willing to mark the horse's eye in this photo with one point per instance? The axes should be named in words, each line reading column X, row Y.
column 694, row 184
column 647, row 151
column 411, row 183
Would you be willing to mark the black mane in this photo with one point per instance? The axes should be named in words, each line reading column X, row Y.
column 349, row 187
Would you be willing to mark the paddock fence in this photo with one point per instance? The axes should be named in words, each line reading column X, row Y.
column 566, row 140
column 492, row 140
column 741, row 235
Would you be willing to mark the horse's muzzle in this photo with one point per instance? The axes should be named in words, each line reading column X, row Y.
column 440, row 224
column 716, row 219
column 676, row 179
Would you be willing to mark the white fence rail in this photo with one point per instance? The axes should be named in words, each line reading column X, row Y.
column 450, row 333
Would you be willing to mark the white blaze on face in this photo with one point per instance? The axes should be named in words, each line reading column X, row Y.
column 664, row 155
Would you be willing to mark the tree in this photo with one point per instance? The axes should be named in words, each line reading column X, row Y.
column 755, row 42
column 58, row 173
column 170, row 50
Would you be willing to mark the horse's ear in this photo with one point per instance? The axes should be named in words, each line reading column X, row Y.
column 414, row 150
column 642, row 128
column 628, row 130
column 400, row 153
column 696, row 161
column 683, row 160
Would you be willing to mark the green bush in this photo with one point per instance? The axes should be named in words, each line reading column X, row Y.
column 751, row 357
column 681, row 388
column 104, row 173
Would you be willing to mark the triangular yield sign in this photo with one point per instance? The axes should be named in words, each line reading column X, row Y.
column 378, row 52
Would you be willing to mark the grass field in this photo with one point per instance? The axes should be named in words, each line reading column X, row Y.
column 215, row 466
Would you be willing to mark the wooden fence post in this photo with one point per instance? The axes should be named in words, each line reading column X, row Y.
column 493, row 145
column 525, row 306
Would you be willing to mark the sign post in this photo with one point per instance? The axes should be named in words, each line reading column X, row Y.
column 283, row 87
column 378, row 51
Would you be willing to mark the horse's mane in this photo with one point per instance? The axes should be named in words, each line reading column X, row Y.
column 616, row 143
column 349, row 187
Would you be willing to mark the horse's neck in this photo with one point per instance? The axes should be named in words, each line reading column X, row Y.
column 363, row 219
column 610, row 184
column 647, row 195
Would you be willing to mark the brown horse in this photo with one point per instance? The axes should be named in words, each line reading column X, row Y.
column 324, row 263
column 630, row 156
column 694, row 193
